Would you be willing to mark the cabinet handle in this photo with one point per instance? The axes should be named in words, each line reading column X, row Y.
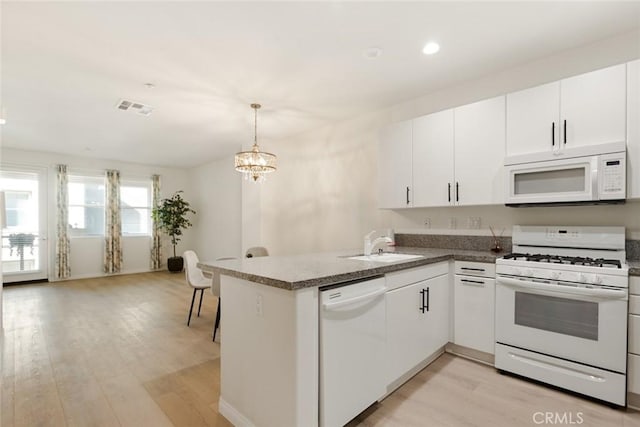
column 472, row 269
column 449, row 191
column 553, row 134
column 457, row 198
column 473, row 282
column 407, row 195
column 422, row 300
column 565, row 132
column 424, row 307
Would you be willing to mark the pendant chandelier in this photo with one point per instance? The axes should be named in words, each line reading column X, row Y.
column 255, row 164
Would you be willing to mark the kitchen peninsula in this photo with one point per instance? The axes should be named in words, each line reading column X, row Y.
column 270, row 334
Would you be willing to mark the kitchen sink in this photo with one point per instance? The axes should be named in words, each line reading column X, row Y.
column 385, row 257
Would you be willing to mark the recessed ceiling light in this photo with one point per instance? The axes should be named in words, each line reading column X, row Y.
column 372, row 52
column 430, row 48
column 149, row 85
column 3, row 121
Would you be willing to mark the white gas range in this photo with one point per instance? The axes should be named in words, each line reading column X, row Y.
column 561, row 309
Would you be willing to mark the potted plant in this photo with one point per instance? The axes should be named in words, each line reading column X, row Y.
column 171, row 217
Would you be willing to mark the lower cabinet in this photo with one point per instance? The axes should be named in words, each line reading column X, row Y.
column 417, row 324
column 474, row 306
column 474, row 312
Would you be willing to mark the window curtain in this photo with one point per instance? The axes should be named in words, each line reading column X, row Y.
column 156, row 244
column 113, row 226
column 63, row 247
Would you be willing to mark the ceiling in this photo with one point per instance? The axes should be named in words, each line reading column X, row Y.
column 65, row 65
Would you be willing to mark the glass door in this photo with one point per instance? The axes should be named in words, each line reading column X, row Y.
column 24, row 233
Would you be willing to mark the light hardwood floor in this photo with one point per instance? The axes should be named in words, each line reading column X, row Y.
column 117, row 351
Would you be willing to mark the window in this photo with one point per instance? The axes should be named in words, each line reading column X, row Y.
column 17, row 208
column 135, row 207
column 86, row 205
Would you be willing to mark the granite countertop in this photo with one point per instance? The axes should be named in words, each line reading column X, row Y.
column 303, row 271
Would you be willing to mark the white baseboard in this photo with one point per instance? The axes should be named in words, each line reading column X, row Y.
column 100, row 275
column 233, row 415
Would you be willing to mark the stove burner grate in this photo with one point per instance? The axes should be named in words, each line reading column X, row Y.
column 569, row 260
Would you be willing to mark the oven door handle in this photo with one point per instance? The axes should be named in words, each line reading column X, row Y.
column 588, row 292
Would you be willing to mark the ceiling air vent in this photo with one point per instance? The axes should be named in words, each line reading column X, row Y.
column 136, row 107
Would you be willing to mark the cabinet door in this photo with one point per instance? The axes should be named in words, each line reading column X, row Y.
column 433, row 153
column 437, row 313
column 474, row 306
column 533, row 120
column 594, row 107
column 394, row 165
column 479, row 152
column 633, row 129
column 417, row 324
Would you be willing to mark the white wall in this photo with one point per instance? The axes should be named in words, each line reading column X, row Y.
column 324, row 196
column 216, row 194
column 86, row 252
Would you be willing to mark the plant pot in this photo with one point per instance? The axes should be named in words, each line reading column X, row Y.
column 175, row 264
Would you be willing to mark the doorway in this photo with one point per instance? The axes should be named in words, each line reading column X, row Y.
column 24, row 233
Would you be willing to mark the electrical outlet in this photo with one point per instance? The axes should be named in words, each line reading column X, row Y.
column 473, row 222
column 427, row 223
column 259, row 307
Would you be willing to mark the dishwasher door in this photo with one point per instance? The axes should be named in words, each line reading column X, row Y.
column 352, row 348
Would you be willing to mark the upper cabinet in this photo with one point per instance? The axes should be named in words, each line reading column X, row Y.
column 458, row 155
column 433, row 159
column 633, row 129
column 593, row 106
column 588, row 109
column 532, row 119
column 394, row 166
column 479, row 152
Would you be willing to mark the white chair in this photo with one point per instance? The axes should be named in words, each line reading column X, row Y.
column 215, row 290
column 257, row 251
column 195, row 279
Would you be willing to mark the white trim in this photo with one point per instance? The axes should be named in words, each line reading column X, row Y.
column 232, row 415
column 99, row 276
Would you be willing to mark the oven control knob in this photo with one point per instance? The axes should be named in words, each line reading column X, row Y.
column 597, row 280
column 555, row 275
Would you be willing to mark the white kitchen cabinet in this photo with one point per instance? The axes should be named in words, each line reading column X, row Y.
column 479, row 152
column 458, row 155
column 587, row 109
column 394, row 166
column 433, row 154
column 633, row 129
column 417, row 324
column 593, row 107
column 474, row 306
column 532, row 119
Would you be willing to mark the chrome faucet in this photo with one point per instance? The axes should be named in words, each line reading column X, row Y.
column 370, row 245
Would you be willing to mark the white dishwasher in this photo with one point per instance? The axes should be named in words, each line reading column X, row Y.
column 352, row 348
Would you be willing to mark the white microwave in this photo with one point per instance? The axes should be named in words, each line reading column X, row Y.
column 593, row 179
